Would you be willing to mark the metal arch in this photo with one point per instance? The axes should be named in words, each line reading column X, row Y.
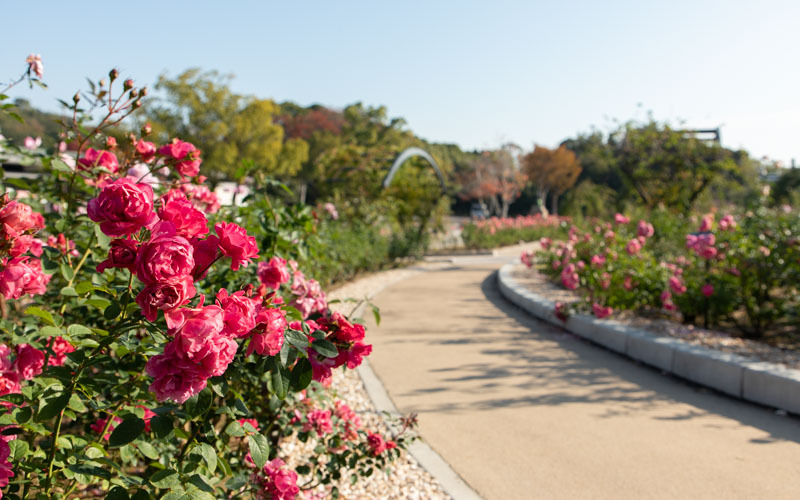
column 405, row 156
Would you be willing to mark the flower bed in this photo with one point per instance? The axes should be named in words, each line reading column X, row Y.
column 738, row 273
column 496, row 232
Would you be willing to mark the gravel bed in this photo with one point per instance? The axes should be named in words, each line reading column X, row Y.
column 407, row 479
column 720, row 341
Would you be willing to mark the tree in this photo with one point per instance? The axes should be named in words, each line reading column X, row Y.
column 665, row 166
column 552, row 172
column 495, row 179
column 231, row 129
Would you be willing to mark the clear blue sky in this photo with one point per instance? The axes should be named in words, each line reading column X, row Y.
column 474, row 73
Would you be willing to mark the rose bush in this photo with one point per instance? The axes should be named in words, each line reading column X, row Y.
column 738, row 272
column 156, row 345
column 495, row 231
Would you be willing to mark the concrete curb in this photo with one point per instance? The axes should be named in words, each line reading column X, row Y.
column 760, row 382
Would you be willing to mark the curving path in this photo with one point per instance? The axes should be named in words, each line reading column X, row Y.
column 524, row 410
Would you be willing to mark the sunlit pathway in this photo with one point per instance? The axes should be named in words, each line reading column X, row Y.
column 524, row 410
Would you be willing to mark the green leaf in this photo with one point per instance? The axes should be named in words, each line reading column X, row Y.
column 219, row 385
column 198, row 405
column 60, row 166
column 67, row 272
column 234, row 429
column 102, row 239
column 112, row 311
column 325, row 348
column 148, row 450
column 165, row 479
column 41, row 313
column 200, row 482
column 301, row 374
column 259, row 449
column 209, row 456
column 68, row 291
column 84, row 287
column 78, row 330
column 90, row 470
column 296, row 339
column 126, row 432
column 76, row 404
column 280, row 379
column 376, row 312
column 117, row 493
column 19, row 448
column 50, row 331
column 162, row 425
column 53, row 407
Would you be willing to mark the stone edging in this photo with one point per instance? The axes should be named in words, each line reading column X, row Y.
column 760, row 382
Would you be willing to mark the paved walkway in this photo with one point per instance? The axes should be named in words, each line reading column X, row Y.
column 523, row 410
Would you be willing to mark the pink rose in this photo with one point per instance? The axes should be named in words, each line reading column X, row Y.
column 165, row 296
column 633, row 247
column 707, row 223
column 353, row 356
column 29, row 361
column 165, row 256
column 6, row 469
column 35, row 65
column 189, row 222
column 376, row 444
column 205, row 252
column 17, row 218
column 174, row 376
column 239, row 312
column 188, row 157
column 331, row 209
column 319, row 421
column 31, row 143
column 267, row 337
column 123, row 207
column 645, row 229
column 666, row 301
column 628, row 283
column 727, row 223
column 236, row 244
column 601, row 312
column 99, row 158
column 342, row 329
column 121, row 255
column 146, row 150
column 569, row 277
column 198, row 337
column 60, row 348
column 21, row 276
column 273, row 272
column 677, row 286
column 621, row 219
column 598, row 260
column 708, row 289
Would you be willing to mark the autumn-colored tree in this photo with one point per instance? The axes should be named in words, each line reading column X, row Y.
column 231, row 129
column 551, row 172
column 494, row 178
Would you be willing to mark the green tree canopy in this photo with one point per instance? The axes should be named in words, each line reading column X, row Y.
column 231, row 129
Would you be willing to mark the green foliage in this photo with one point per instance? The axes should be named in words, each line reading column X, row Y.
column 201, row 108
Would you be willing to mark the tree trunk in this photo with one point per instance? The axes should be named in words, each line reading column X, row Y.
column 554, row 204
column 541, row 195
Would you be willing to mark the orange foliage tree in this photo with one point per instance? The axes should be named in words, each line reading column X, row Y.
column 551, row 172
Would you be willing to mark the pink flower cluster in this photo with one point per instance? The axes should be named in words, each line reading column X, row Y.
column 309, row 295
column 20, row 274
column 276, row 482
column 28, row 363
column 377, row 444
